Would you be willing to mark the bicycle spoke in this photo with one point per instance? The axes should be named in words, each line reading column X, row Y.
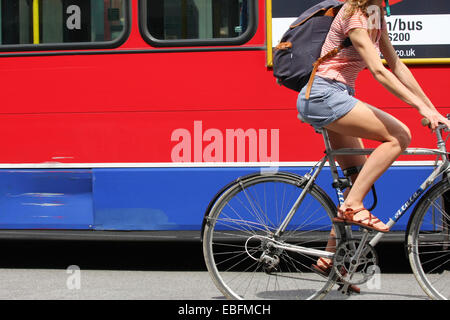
column 429, row 240
column 249, row 259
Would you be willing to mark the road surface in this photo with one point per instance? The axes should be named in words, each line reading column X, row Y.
column 75, row 283
column 148, row 271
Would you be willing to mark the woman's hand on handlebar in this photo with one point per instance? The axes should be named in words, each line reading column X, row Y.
column 435, row 118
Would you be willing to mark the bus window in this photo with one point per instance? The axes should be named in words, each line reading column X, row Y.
column 192, row 22
column 32, row 22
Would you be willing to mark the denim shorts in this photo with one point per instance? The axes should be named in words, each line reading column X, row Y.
column 329, row 100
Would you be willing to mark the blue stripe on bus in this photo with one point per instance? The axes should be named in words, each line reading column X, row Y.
column 152, row 198
column 46, row 199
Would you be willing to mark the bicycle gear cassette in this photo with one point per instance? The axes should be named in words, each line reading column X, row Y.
column 351, row 269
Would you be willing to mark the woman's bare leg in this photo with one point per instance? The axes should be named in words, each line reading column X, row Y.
column 367, row 122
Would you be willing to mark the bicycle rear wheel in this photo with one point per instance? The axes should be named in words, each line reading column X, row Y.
column 244, row 256
column 428, row 240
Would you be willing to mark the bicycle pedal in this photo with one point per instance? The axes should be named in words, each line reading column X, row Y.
column 349, row 290
column 346, row 290
column 350, row 224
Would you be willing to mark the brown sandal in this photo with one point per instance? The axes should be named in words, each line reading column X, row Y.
column 348, row 218
column 325, row 270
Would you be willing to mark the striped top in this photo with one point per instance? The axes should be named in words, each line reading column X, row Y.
column 347, row 64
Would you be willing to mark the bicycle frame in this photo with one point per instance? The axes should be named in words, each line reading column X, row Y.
column 444, row 166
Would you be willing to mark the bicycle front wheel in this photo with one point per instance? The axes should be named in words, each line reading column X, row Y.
column 428, row 240
column 246, row 257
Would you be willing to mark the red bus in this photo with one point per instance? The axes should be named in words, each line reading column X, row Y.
column 130, row 115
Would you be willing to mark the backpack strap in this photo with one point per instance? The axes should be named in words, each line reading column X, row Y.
column 331, row 12
column 347, row 42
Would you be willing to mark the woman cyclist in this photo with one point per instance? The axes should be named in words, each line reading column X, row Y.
column 331, row 105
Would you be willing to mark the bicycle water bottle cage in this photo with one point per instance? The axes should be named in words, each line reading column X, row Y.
column 351, row 171
column 341, row 183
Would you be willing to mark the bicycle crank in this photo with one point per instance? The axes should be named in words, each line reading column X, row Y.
column 355, row 262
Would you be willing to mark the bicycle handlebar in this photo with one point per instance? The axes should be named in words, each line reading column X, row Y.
column 426, row 123
column 441, row 127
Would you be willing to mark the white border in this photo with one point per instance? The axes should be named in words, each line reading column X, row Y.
column 59, row 165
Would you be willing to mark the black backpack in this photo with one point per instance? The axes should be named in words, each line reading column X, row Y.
column 297, row 56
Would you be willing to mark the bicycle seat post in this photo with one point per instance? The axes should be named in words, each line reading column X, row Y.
column 326, row 140
column 334, row 172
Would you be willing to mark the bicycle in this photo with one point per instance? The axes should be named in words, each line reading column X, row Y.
column 262, row 232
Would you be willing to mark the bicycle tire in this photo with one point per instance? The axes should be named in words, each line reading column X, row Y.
column 428, row 241
column 233, row 239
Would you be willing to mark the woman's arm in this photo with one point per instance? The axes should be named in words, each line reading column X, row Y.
column 400, row 70
column 364, row 45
